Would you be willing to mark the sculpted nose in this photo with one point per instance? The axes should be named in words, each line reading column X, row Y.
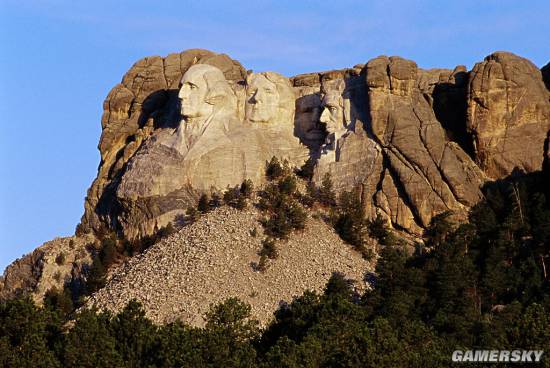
column 255, row 98
column 259, row 96
column 324, row 116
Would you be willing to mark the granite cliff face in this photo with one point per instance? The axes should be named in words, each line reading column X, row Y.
column 415, row 142
column 155, row 164
column 145, row 101
column 508, row 114
column 421, row 173
column 409, row 165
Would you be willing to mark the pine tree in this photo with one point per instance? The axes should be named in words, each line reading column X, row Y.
column 192, row 214
column 247, row 187
column 26, row 334
column 274, row 170
column 90, row 342
column 440, row 227
column 308, row 199
column 240, row 203
column 326, row 191
column 59, row 300
column 378, row 229
column 307, row 169
column 269, row 249
column 287, row 185
column 216, row 200
column 134, row 335
column 350, row 223
column 339, row 285
column 204, row 204
column 231, row 196
column 96, row 276
column 109, row 251
column 228, row 335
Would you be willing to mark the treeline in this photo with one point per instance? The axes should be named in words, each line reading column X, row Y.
column 480, row 284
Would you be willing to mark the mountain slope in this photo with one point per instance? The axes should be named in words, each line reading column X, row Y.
column 212, row 260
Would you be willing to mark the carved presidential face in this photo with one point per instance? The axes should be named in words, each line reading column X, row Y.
column 333, row 112
column 196, row 85
column 262, row 99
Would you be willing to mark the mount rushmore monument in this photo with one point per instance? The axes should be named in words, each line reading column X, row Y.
column 415, row 142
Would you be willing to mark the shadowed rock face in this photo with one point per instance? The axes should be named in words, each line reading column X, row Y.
column 416, row 142
column 348, row 154
column 508, row 114
column 546, row 75
column 422, row 172
column 446, row 91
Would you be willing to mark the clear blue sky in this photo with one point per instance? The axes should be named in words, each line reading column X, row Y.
column 59, row 59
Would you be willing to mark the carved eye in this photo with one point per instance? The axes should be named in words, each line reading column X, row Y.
column 331, row 108
column 192, row 86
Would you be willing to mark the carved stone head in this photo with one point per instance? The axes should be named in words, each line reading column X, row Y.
column 336, row 109
column 207, row 103
column 204, row 91
column 269, row 98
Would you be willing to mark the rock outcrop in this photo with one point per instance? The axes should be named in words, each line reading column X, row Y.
column 508, row 114
column 397, row 151
column 430, row 173
column 53, row 265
